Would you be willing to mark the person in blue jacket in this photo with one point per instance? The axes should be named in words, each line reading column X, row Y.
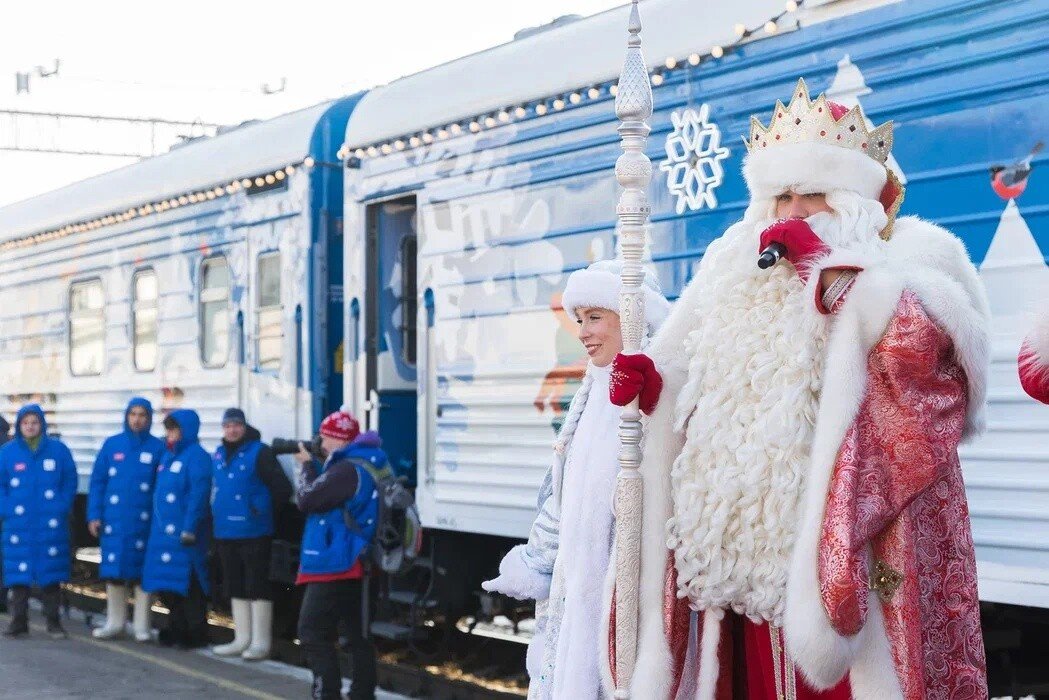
column 341, row 503
column 119, row 504
column 38, row 483
column 5, row 427
column 249, row 487
column 176, row 554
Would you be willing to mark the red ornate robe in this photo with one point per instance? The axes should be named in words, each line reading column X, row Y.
column 881, row 596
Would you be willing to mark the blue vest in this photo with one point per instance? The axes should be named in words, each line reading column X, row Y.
column 241, row 504
column 329, row 545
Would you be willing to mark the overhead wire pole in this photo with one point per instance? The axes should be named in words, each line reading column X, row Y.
column 634, row 172
column 57, row 132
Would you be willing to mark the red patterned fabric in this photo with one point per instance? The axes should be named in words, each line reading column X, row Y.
column 897, row 493
column 676, row 622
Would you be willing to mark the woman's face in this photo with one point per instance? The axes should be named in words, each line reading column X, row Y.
column 600, row 334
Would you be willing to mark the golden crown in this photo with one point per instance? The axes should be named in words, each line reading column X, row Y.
column 805, row 121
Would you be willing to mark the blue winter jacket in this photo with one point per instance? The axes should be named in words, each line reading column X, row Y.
column 329, row 544
column 180, row 504
column 121, row 496
column 241, row 504
column 37, row 488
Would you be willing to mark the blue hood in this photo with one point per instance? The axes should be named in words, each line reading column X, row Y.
column 26, row 410
column 189, row 423
column 143, row 403
column 367, row 446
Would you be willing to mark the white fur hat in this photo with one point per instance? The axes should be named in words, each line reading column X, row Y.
column 599, row 284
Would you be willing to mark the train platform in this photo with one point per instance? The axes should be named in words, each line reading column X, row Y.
column 83, row 667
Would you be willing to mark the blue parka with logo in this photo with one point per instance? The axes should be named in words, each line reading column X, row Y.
column 37, row 488
column 180, row 504
column 121, row 496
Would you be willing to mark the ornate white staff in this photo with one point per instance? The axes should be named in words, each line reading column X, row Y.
column 634, row 172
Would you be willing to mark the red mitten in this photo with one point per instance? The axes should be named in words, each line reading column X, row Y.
column 802, row 244
column 1034, row 373
column 635, row 377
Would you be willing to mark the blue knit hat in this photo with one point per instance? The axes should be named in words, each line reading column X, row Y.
column 234, row 415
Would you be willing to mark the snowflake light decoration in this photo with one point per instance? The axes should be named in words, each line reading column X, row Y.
column 694, row 155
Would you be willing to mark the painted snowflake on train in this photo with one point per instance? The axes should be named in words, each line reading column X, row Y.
column 694, row 155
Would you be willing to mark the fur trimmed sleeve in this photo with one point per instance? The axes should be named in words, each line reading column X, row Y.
column 527, row 570
column 903, row 441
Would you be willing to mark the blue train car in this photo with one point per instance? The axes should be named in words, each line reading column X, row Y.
column 475, row 188
column 206, row 277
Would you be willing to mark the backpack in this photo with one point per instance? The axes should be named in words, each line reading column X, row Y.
column 398, row 531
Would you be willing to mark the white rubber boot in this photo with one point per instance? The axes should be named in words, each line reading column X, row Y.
column 140, row 616
column 261, row 630
column 241, row 629
column 116, row 613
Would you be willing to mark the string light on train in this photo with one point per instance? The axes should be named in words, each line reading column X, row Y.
column 561, row 102
column 254, row 183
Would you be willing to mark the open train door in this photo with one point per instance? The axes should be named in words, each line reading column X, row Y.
column 390, row 330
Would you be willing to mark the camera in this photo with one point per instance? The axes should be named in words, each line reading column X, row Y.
column 284, row 446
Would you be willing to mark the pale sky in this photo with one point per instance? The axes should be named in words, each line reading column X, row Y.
column 207, row 61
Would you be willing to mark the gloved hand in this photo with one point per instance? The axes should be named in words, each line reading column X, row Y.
column 635, row 377
column 802, row 244
column 517, row 580
column 1033, row 369
column 187, row 539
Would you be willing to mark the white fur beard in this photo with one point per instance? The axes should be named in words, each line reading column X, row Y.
column 749, row 408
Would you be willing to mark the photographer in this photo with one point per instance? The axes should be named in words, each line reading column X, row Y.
column 340, row 501
column 249, row 485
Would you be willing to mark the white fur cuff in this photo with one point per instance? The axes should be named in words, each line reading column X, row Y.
column 517, row 580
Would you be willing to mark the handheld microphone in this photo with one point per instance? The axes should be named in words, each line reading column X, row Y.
column 771, row 255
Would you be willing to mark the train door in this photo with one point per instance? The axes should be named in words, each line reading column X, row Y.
column 390, row 329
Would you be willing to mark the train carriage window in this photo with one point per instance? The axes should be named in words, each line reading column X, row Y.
column 214, row 312
column 87, row 327
column 144, row 298
column 269, row 330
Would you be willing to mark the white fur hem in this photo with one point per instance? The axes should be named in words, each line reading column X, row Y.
column 812, row 167
column 604, row 660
